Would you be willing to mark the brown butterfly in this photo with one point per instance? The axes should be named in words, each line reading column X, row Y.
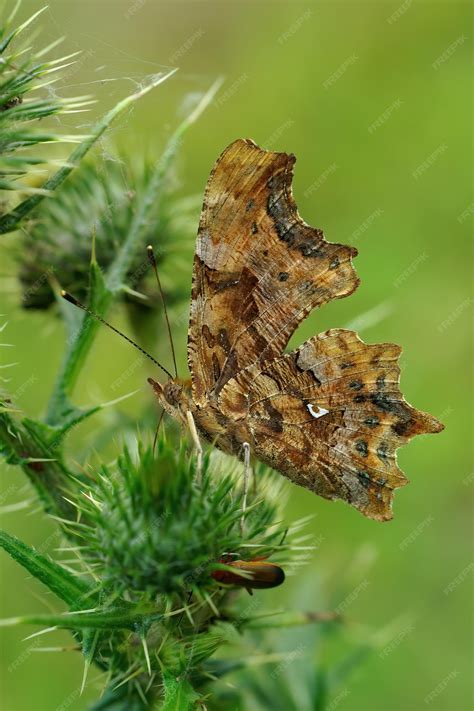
column 330, row 414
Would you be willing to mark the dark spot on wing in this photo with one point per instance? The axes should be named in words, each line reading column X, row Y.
column 216, row 368
column 402, row 427
column 383, row 403
column 362, row 448
column 283, row 276
column 364, row 478
column 383, row 452
column 312, row 249
column 356, row 384
column 397, row 408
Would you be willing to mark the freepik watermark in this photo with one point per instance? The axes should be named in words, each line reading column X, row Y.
column 340, row 71
column 430, row 161
column 320, row 180
column 295, row 26
column 385, row 115
column 448, row 53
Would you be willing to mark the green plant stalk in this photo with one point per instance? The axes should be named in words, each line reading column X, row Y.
column 80, row 341
column 10, row 221
column 102, row 296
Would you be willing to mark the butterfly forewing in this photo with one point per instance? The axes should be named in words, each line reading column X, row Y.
column 258, row 269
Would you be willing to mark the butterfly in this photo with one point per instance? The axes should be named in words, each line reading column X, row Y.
column 329, row 415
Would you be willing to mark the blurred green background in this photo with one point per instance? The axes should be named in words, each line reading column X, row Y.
column 374, row 98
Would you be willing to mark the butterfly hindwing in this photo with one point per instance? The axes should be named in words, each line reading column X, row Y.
column 258, row 268
column 330, row 416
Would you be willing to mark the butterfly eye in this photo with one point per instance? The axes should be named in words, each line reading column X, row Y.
column 172, row 392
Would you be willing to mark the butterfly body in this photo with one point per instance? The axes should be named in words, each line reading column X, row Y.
column 328, row 415
column 226, row 433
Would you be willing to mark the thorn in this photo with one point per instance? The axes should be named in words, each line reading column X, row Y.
column 147, row 655
column 210, row 602
column 87, row 664
column 37, row 634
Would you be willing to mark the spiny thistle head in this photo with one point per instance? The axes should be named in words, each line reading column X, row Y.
column 104, row 196
column 150, row 532
column 154, row 527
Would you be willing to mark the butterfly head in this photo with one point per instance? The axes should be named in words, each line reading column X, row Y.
column 173, row 397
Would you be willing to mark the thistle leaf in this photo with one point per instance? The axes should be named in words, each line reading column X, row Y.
column 73, row 590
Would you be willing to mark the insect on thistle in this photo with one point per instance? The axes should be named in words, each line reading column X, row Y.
column 256, row 574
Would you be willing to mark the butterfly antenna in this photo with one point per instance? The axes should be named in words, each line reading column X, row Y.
column 152, row 260
column 72, row 300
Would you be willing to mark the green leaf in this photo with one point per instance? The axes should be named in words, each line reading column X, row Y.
column 179, row 694
column 110, row 618
column 74, row 591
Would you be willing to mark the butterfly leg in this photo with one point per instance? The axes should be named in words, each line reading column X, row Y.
column 197, row 443
column 246, row 447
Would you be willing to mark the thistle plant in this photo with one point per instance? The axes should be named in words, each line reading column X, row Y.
column 144, row 536
column 103, row 196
